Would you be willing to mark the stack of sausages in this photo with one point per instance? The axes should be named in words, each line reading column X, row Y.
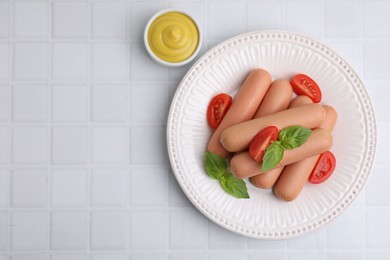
column 258, row 104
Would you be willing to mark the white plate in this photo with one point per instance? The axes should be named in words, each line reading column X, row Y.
column 283, row 54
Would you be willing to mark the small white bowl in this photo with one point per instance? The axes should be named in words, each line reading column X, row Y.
column 161, row 61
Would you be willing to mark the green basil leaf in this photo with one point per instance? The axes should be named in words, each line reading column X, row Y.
column 234, row 186
column 273, row 155
column 215, row 165
column 294, row 136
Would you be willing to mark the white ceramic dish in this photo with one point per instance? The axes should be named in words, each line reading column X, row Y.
column 283, row 54
column 161, row 61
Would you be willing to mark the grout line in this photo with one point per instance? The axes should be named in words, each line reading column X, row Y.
column 89, row 130
column 128, row 171
column 11, row 128
column 129, row 118
column 49, row 120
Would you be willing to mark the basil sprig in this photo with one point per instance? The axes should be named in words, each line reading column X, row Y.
column 289, row 138
column 216, row 168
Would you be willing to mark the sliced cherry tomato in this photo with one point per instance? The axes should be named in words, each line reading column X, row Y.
column 261, row 141
column 323, row 168
column 304, row 85
column 217, row 109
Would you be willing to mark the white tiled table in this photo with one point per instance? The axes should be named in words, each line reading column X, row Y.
column 84, row 172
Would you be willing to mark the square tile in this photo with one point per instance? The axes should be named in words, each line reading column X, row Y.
column 382, row 148
column 220, row 238
column 29, row 145
column 69, row 257
column 108, row 187
column 5, row 103
column 377, row 187
column 148, row 229
column 172, row 87
column 28, row 257
column 314, row 240
column 306, row 256
column 69, row 145
column 375, row 16
column 225, row 12
column 156, row 188
column 378, row 255
column 229, row 256
column 375, row 60
column 30, row 103
column 342, row 19
column 109, row 145
column 3, row 231
column 140, row 13
column 187, row 229
column 107, row 256
column 28, row 230
column 69, row 103
column 5, row 141
column 70, row 20
column 345, row 255
column 30, row 61
column 277, row 245
column 110, row 61
column 4, row 60
column 4, row 19
column 148, row 145
column 267, row 256
column 68, row 230
column 109, row 20
column 347, row 231
column 28, row 188
column 68, row 188
column 177, row 198
column 140, row 60
column 378, row 91
column 270, row 16
column 70, row 61
column 109, row 103
column 177, row 73
column 299, row 23
column 157, row 109
column 188, row 256
column 378, row 228
column 108, row 230
column 30, row 19
column 148, row 256
column 4, row 188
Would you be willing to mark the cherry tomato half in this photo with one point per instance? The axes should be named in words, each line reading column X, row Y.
column 261, row 141
column 217, row 109
column 323, row 168
column 304, row 85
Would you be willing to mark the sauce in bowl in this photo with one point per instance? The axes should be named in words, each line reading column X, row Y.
column 172, row 37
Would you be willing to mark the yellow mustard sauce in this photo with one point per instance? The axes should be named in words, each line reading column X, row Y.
column 173, row 37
